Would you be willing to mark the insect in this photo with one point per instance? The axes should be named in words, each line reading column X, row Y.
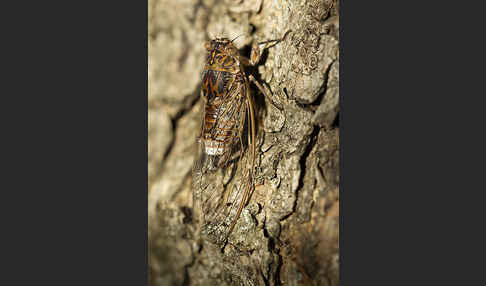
column 227, row 104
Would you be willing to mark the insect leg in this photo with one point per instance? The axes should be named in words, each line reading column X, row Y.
column 240, row 135
column 264, row 91
column 256, row 52
column 251, row 125
column 275, row 40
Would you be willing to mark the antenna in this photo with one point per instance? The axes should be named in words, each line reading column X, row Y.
column 236, row 38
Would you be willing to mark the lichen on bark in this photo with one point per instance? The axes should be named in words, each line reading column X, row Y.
column 288, row 232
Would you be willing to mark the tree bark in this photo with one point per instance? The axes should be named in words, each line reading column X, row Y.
column 289, row 230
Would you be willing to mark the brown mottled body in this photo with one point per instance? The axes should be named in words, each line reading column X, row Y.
column 224, row 91
column 227, row 103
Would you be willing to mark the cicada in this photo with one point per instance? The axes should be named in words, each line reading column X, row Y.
column 227, row 108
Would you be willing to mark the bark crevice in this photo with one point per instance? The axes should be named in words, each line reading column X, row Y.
column 292, row 239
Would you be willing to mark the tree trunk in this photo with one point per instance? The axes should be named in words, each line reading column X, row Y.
column 292, row 237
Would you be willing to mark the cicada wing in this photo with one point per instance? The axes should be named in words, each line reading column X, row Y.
column 197, row 173
column 224, row 201
column 244, row 184
column 213, row 199
column 220, row 203
column 208, row 190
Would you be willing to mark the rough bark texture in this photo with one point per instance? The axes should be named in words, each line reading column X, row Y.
column 288, row 232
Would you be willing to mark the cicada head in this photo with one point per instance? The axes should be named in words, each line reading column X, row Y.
column 221, row 52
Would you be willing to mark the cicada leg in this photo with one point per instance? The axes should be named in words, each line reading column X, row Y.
column 265, row 92
column 256, row 52
column 255, row 57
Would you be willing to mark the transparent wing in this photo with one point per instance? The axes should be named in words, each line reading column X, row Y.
column 220, row 203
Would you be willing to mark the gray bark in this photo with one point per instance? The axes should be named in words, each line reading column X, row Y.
column 288, row 232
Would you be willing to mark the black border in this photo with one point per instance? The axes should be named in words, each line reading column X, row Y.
column 77, row 171
column 405, row 130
